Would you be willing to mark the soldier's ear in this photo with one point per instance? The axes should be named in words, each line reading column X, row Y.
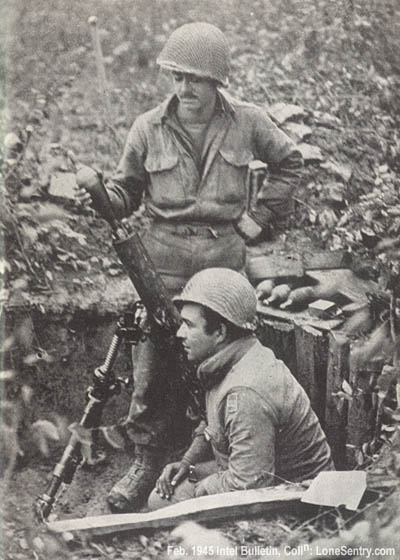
column 222, row 332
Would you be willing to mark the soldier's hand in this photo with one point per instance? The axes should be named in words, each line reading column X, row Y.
column 171, row 475
column 86, row 179
column 82, row 196
column 248, row 228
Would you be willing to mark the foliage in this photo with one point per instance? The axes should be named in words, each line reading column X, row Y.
column 18, row 428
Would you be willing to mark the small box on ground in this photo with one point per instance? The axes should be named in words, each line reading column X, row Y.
column 322, row 308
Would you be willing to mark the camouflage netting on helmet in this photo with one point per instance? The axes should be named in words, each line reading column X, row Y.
column 226, row 292
column 197, row 48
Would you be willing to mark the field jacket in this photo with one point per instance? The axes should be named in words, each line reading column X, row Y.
column 159, row 165
column 259, row 422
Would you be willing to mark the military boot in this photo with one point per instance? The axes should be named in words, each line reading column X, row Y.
column 130, row 493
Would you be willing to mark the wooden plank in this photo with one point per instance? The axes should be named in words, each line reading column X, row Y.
column 361, row 416
column 219, row 506
column 347, row 283
column 336, row 409
column 285, row 265
column 297, row 317
column 326, row 260
column 280, row 267
column 280, row 338
column 311, row 352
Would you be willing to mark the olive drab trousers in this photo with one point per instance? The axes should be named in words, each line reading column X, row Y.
column 178, row 251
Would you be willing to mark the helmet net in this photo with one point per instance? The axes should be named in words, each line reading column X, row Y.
column 197, row 48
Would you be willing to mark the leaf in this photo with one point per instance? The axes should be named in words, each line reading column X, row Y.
column 327, row 218
column 40, row 356
column 68, row 537
column 297, row 131
column 62, row 427
column 359, row 322
column 8, row 343
column 63, row 185
column 342, row 395
column 334, row 192
column 44, row 431
column 347, row 387
column 4, row 266
column 310, row 153
column 26, row 393
column 7, row 375
column 26, row 193
column 114, row 270
column 378, row 343
column 327, row 120
column 312, row 216
column 144, row 541
column 84, row 435
column 65, row 229
column 23, row 544
column 29, row 235
column 386, row 379
column 122, row 48
column 340, row 170
column 49, row 212
column 38, row 543
column 12, row 142
column 394, row 414
column 20, row 284
column 282, row 112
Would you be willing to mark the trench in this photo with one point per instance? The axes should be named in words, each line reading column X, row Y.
column 65, row 348
column 55, row 354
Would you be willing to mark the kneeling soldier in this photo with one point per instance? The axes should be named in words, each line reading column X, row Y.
column 260, row 428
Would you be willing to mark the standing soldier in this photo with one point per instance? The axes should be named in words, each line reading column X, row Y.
column 187, row 160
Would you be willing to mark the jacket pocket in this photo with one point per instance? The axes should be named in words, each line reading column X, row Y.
column 233, row 166
column 166, row 187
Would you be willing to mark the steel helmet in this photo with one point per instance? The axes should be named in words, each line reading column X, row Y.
column 226, row 292
column 197, row 48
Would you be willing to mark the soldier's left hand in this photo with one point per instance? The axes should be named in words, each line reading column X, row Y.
column 248, row 228
column 169, row 478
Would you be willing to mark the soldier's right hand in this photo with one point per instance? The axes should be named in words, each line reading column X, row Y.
column 83, row 196
column 169, row 478
column 86, row 179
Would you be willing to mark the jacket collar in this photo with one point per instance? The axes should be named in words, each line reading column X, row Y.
column 167, row 108
column 213, row 370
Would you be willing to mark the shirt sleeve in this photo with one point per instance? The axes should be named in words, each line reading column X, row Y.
column 200, row 448
column 250, row 426
column 274, row 147
column 129, row 180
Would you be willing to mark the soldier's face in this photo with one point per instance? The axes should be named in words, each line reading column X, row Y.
column 195, row 94
column 197, row 343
